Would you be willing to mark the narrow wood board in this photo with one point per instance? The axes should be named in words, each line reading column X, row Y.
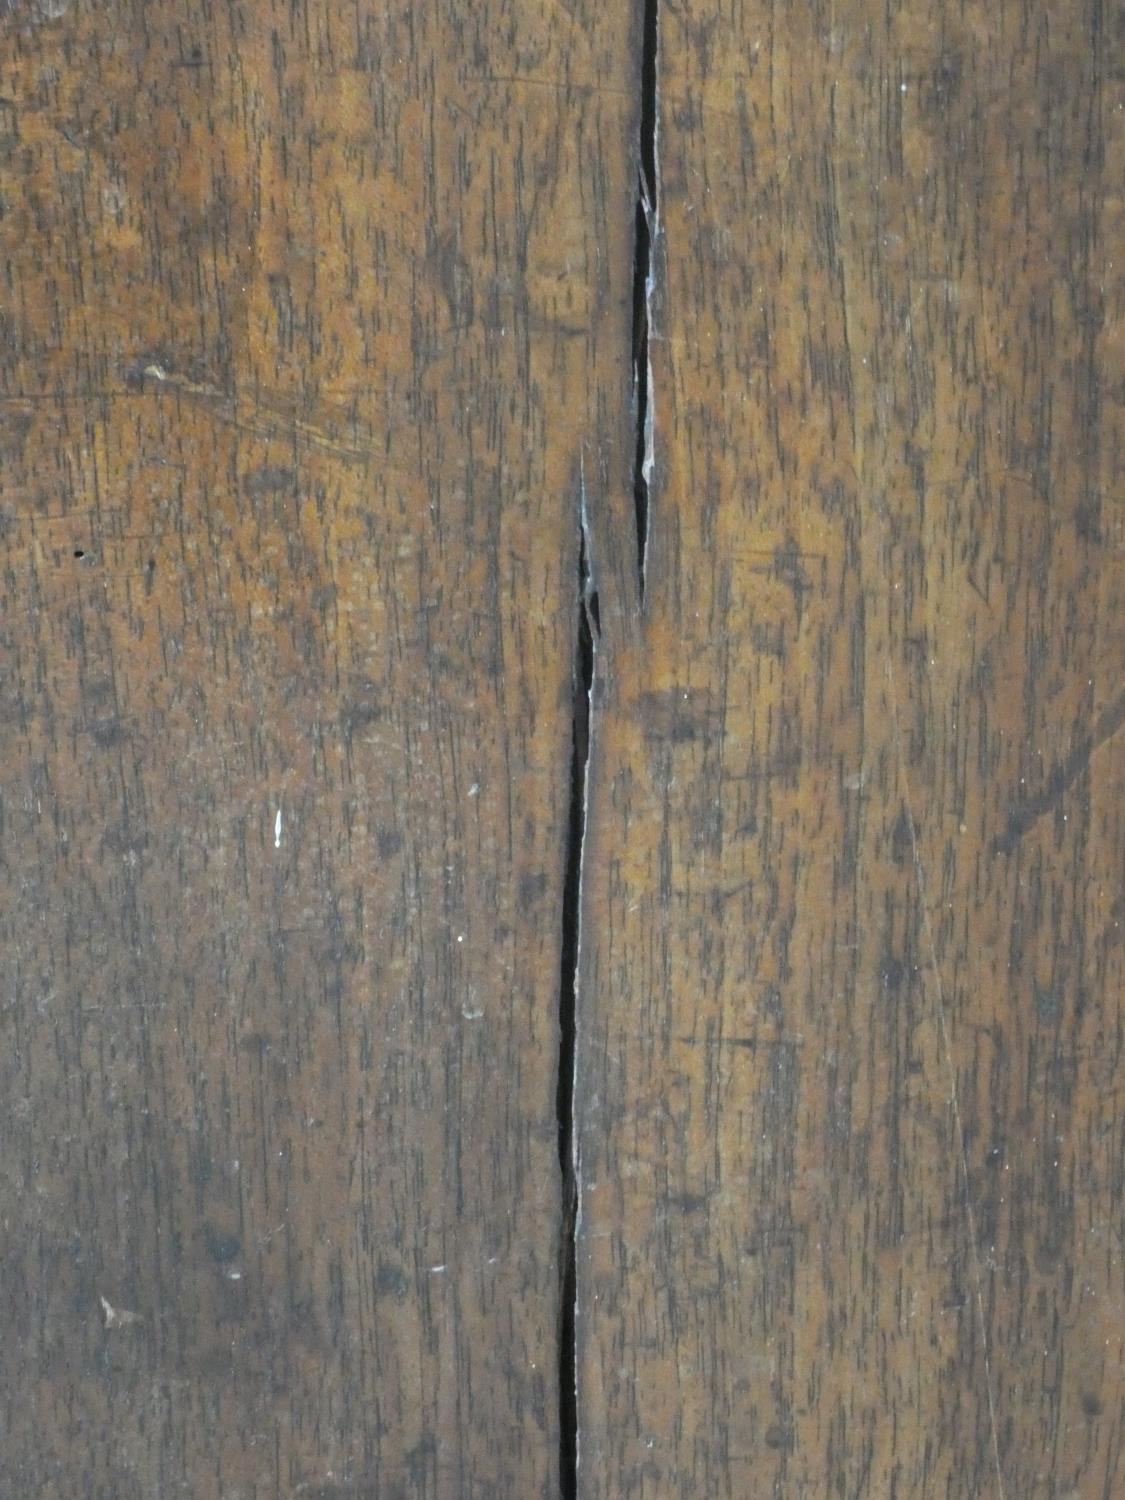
column 309, row 311
column 850, row 1027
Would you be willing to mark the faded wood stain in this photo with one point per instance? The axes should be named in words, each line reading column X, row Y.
column 560, row 708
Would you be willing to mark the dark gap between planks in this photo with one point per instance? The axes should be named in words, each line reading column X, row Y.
column 644, row 235
column 588, row 626
column 583, row 677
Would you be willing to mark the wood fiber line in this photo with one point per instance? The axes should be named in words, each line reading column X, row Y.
column 313, row 317
column 850, row 1030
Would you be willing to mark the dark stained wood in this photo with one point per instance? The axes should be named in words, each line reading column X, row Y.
column 309, row 314
column 850, row 1030
column 316, row 343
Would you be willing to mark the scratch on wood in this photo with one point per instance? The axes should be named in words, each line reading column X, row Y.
column 1024, row 815
column 228, row 408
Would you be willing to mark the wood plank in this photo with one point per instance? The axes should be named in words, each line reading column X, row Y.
column 850, row 1028
column 310, row 312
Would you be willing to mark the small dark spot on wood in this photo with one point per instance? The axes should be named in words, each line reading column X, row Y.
column 677, row 715
column 945, row 80
column 788, row 569
column 388, row 841
column 894, row 972
column 769, row 640
column 902, row 841
column 1087, row 522
column 532, row 889
column 420, row 1459
column 1048, row 1004
column 221, row 1246
column 268, row 480
column 779, row 1437
column 1046, row 1259
column 391, row 1281
column 358, row 716
column 106, row 733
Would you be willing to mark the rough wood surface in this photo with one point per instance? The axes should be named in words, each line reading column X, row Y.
column 317, row 332
column 308, row 311
column 850, row 1021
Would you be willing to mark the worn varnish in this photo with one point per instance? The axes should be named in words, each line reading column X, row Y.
column 308, row 313
column 376, row 382
column 850, row 1019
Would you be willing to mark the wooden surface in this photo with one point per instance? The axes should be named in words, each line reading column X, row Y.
column 317, row 426
column 850, row 1018
column 292, row 298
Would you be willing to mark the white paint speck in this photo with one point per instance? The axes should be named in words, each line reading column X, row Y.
column 436, row 1270
column 277, row 830
column 474, row 790
column 117, row 1317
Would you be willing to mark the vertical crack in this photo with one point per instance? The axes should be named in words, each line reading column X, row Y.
column 587, row 631
column 587, row 625
column 647, row 222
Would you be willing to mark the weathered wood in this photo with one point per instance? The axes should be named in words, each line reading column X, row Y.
column 309, row 313
column 849, row 1046
column 316, row 344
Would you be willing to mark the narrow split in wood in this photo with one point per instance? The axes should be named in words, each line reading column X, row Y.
column 582, row 682
column 645, row 238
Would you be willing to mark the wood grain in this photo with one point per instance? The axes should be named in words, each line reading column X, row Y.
column 318, row 425
column 310, row 312
column 850, row 1027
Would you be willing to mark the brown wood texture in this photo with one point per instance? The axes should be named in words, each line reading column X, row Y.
column 317, row 331
column 309, row 311
column 850, row 1029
